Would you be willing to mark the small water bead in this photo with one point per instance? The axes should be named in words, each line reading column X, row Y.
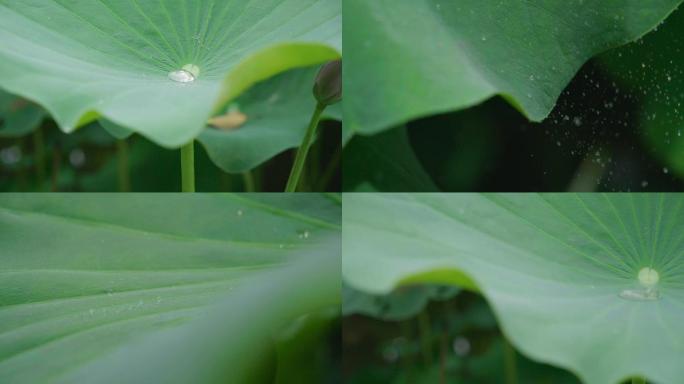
column 648, row 277
column 303, row 234
column 239, row 212
column 640, row 294
column 187, row 74
column 648, row 280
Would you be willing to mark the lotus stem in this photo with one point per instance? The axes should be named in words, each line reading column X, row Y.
column 123, row 169
column 39, row 150
column 425, row 337
column 248, row 181
column 188, row 167
column 510, row 363
column 303, row 150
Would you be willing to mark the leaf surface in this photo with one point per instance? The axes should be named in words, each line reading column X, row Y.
column 412, row 58
column 113, row 58
column 560, row 270
column 84, row 275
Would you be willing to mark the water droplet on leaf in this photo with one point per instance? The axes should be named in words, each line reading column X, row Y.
column 187, row 74
column 648, row 280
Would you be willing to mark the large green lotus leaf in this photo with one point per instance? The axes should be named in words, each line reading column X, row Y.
column 84, row 275
column 559, row 270
column 411, row 58
column 228, row 345
column 112, row 58
column 653, row 71
column 278, row 112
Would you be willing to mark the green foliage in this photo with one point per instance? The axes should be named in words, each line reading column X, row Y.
column 564, row 273
column 107, row 59
column 404, row 303
column 653, row 72
column 96, row 283
column 277, row 113
column 407, row 59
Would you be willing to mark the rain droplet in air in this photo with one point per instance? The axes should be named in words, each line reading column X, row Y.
column 187, row 74
column 648, row 281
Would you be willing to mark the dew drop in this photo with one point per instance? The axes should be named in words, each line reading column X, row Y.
column 239, row 212
column 303, row 234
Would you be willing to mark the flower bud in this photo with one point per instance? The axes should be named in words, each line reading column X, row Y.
column 328, row 87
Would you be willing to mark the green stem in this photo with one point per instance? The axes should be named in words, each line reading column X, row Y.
column 330, row 171
column 123, row 169
column 39, row 150
column 188, row 167
column 638, row 380
column 303, row 150
column 425, row 337
column 248, row 181
column 510, row 363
